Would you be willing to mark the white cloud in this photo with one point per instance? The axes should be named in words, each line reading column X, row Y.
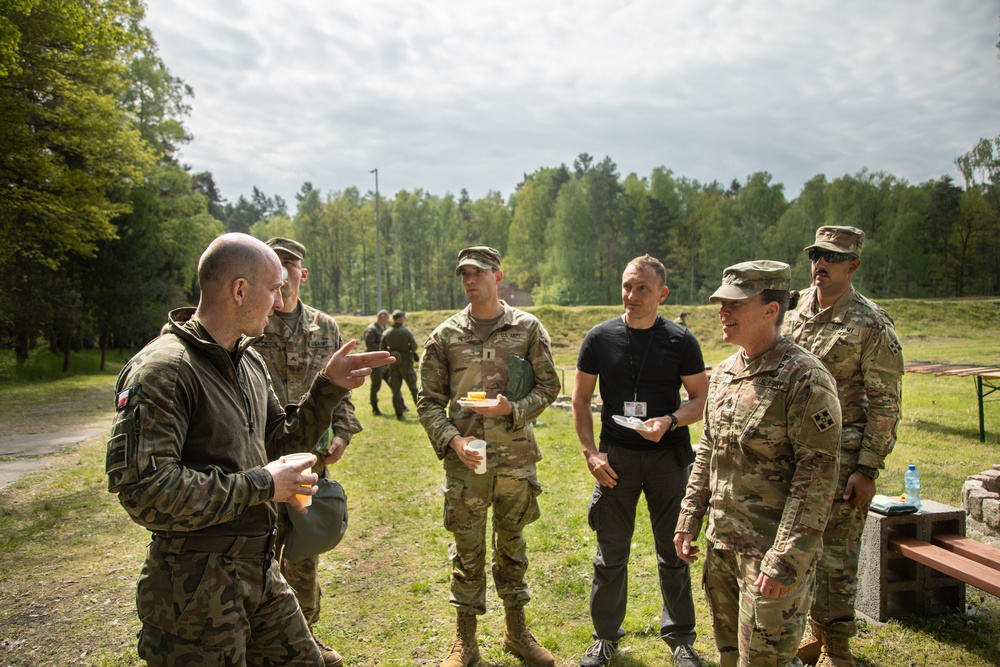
column 445, row 94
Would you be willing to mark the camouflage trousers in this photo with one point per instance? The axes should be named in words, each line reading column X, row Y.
column 837, row 572
column 219, row 609
column 751, row 630
column 375, row 382
column 399, row 372
column 513, row 496
column 301, row 575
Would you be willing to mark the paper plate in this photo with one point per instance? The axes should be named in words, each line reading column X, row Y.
column 633, row 423
column 478, row 402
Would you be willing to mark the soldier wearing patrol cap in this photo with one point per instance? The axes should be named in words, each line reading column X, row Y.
column 493, row 348
column 765, row 473
column 399, row 341
column 856, row 341
column 297, row 341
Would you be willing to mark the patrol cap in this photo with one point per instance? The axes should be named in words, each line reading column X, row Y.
column 481, row 256
column 748, row 279
column 288, row 245
column 846, row 240
column 396, row 314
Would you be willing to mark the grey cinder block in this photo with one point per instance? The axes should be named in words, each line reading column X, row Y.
column 892, row 586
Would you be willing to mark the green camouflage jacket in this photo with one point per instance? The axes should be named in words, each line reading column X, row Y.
column 858, row 344
column 194, row 427
column 373, row 337
column 294, row 358
column 456, row 362
column 399, row 340
column 766, row 467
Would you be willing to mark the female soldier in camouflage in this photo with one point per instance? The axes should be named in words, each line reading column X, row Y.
column 765, row 473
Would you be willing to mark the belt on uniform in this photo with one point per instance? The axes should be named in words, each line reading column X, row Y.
column 239, row 545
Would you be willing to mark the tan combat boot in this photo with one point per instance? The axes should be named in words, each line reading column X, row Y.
column 520, row 642
column 465, row 650
column 836, row 653
column 811, row 644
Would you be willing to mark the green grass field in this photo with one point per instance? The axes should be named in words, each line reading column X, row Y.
column 69, row 555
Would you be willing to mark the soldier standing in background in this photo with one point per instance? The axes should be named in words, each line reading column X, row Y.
column 373, row 340
column 506, row 353
column 298, row 340
column 856, row 341
column 196, row 422
column 399, row 341
column 765, row 473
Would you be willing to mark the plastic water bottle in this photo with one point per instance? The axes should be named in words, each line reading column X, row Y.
column 912, row 481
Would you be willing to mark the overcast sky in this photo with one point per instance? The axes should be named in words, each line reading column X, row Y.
column 446, row 94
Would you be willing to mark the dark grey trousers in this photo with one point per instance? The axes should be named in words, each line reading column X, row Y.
column 660, row 475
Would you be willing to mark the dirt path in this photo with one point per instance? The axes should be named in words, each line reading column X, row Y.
column 34, row 436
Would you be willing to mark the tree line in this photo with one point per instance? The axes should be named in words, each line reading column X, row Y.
column 102, row 226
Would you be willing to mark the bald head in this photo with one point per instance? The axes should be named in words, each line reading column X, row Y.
column 232, row 256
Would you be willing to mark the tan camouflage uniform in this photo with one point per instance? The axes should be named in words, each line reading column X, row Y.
column 194, row 428
column 399, row 341
column 293, row 359
column 765, row 473
column 856, row 341
column 373, row 341
column 456, row 362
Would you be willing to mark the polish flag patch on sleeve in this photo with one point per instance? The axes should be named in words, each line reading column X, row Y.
column 122, row 399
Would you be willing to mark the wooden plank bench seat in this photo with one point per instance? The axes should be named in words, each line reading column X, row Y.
column 985, row 577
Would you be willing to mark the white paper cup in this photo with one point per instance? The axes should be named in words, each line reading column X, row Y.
column 479, row 446
column 305, row 499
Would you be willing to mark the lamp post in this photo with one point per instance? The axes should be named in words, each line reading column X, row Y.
column 378, row 251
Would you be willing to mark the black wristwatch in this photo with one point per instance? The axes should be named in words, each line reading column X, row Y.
column 673, row 422
column 868, row 471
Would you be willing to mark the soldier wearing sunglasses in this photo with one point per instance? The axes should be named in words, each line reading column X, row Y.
column 858, row 344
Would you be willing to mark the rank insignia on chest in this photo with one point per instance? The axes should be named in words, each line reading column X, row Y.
column 824, row 420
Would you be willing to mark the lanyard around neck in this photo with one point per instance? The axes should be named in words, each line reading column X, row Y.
column 631, row 361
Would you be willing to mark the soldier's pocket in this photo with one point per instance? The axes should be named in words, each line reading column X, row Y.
column 192, row 596
column 522, row 511
column 457, row 517
column 121, row 463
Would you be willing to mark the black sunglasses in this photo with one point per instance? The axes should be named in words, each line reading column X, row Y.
column 830, row 256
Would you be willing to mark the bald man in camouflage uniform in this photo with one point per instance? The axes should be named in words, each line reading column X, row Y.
column 298, row 340
column 399, row 342
column 473, row 351
column 765, row 474
column 197, row 422
column 858, row 344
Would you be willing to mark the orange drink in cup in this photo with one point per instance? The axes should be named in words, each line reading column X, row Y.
column 305, row 499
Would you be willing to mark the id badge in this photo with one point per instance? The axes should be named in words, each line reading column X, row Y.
column 635, row 408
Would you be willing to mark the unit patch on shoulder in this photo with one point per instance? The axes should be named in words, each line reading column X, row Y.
column 895, row 347
column 824, row 420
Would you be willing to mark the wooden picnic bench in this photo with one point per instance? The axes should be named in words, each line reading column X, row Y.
column 986, row 378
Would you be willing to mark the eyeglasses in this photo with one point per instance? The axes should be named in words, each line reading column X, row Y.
column 828, row 255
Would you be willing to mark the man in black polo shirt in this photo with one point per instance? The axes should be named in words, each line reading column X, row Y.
column 642, row 360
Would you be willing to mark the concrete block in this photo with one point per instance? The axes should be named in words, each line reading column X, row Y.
column 975, row 504
column 892, row 586
column 967, row 488
column 991, row 512
column 989, row 478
